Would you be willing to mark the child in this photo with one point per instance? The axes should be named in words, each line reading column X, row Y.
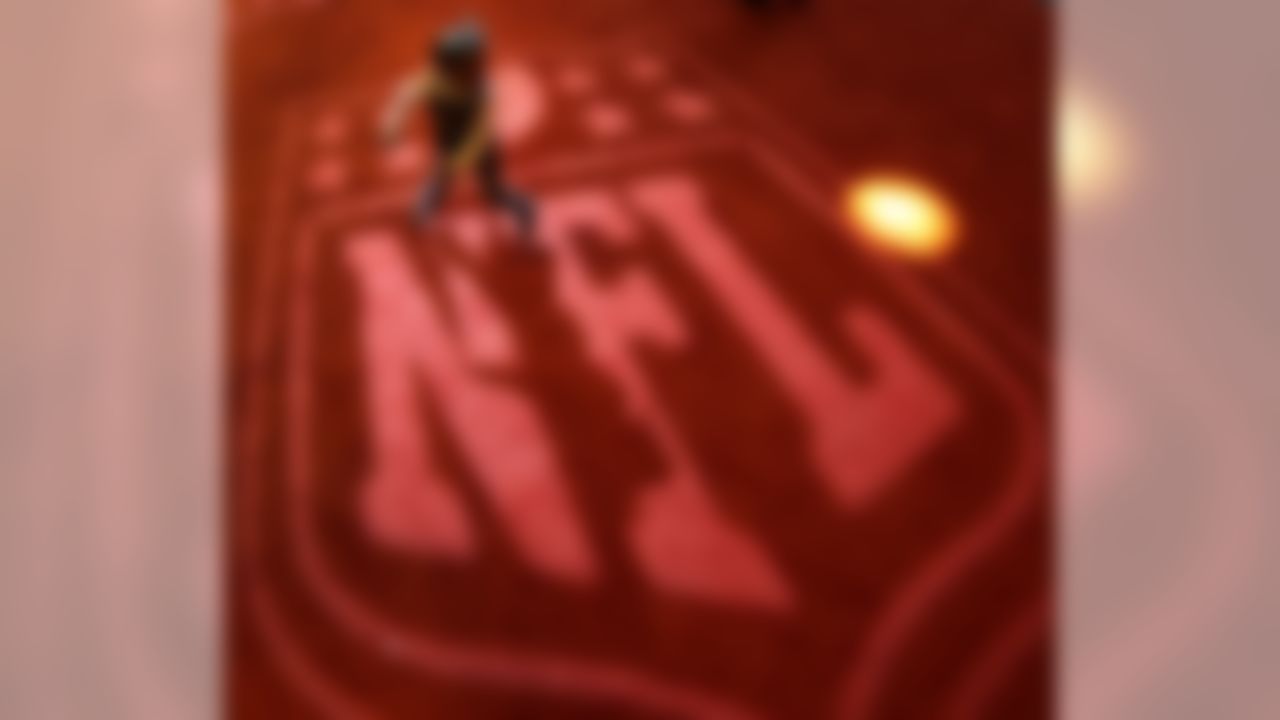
column 453, row 91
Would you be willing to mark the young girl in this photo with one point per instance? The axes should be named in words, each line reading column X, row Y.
column 453, row 91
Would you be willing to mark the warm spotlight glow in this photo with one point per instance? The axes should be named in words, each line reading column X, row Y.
column 901, row 215
column 1089, row 151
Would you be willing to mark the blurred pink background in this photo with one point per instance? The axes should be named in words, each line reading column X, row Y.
column 109, row 347
column 1168, row 409
column 109, row 328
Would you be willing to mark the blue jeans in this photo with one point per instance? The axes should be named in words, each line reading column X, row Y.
column 496, row 191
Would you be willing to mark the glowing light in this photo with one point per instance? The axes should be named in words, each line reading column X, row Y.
column 902, row 215
column 1089, row 151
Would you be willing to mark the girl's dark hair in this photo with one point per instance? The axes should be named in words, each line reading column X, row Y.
column 460, row 46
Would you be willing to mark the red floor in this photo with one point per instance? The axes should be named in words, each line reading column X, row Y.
column 709, row 455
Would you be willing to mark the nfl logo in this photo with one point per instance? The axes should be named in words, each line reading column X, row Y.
column 705, row 457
